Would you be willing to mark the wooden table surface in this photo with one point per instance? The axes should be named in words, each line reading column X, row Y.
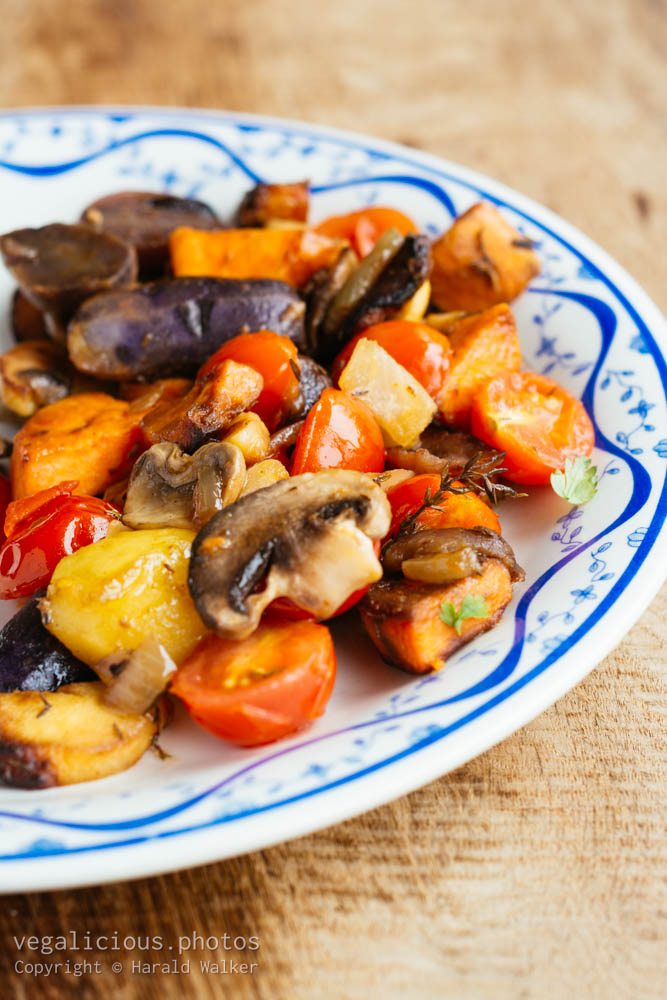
column 537, row 870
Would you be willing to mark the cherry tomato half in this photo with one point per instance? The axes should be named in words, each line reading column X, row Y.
column 423, row 351
column 255, row 690
column 339, row 433
column 537, row 422
column 42, row 535
column 364, row 228
column 455, row 510
column 275, row 358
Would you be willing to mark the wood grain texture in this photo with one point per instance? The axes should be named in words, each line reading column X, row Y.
column 539, row 869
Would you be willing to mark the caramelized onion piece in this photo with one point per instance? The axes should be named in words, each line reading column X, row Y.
column 136, row 680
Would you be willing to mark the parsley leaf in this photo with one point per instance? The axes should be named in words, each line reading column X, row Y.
column 577, row 482
column 472, row 606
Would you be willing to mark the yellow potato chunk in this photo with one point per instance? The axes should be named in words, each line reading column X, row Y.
column 401, row 406
column 66, row 736
column 111, row 595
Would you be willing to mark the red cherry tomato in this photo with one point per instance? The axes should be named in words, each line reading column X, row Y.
column 256, row 690
column 5, row 497
column 537, row 422
column 423, row 351
column 340, row 432
column 455, row 510
column 275, row 358
column 364, row 228
column 40, row 534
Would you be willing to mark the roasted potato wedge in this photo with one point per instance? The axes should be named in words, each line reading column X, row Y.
column 70, row 735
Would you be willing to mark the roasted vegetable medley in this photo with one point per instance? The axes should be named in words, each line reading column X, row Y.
column 235, row 432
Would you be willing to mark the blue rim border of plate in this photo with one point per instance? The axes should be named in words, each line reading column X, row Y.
column 597, row 306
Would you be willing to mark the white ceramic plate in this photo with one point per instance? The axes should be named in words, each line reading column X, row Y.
column 590, row 571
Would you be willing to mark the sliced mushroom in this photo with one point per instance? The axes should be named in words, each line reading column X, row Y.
column 307, row 538
column 441, row 450
column 168, row 488
column 59, row 266
column 33, row 374
column 442, row 555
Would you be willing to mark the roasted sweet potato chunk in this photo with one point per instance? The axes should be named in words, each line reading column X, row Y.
column 225, row 391
column 481, row 260
column 91, row 438
column 483, row 344
column 289, row 255
column 402, row 617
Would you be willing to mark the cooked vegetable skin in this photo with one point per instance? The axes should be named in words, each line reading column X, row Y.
column 59, row 266
column 480, row 261
column 441, row 450
column 91, row 438
column 483, row 345
column 402, row 617
column 31, row 659
column 288, row 535
column 174, row 326
column 69, row 736
column 111, row 595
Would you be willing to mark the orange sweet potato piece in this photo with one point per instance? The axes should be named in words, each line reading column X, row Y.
column 229, row 388
column 402, row 617
column 483, row 345
column 481, row 260
column 290, row 255
column 92, row 438
column 275, row 201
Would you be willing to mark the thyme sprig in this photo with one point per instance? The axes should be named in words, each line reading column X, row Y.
column 475, row 477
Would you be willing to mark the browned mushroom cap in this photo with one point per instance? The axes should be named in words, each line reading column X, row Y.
column 442, row 555
column 59, row 266
column 168, row 488
column 308, row 538
column 33, row 374
column 145, row 220
column 313, row 380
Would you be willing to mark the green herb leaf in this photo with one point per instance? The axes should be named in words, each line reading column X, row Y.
column 577, row 482
column 472, row 606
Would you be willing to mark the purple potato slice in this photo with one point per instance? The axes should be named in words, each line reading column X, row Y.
column 59, row 266
column 145, row 220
